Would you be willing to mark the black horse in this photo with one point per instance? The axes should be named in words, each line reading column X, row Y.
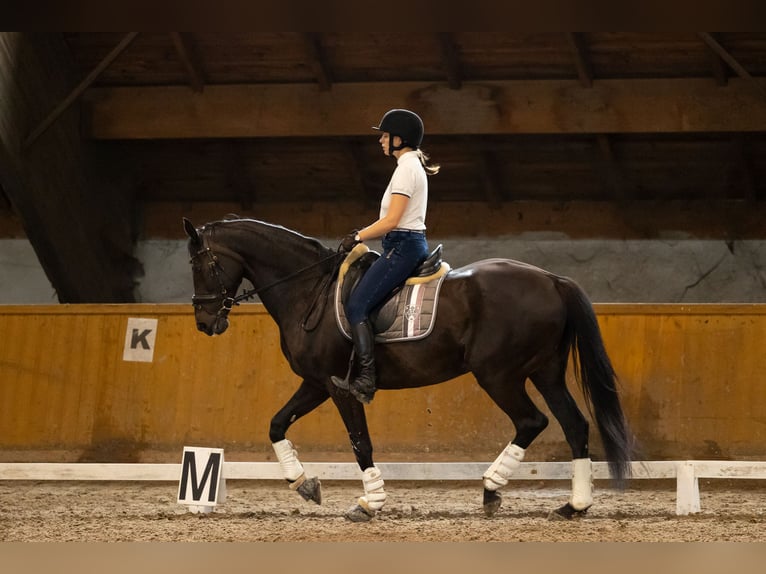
column 499, row 319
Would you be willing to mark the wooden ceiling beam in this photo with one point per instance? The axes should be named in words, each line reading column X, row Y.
column 78, row 91
column 719, row 68
column 577, row 219
column 582, row 61
column 450, row 58
column 317, row 59
column 188, row 55
column 722, row 53
column 740, row 70
column 500, row 107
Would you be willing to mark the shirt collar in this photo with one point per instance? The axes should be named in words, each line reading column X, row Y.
column 406, row 154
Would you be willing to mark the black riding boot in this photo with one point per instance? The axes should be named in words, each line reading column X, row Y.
column 363, row 386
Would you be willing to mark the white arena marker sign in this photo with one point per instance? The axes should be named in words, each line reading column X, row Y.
column 139, row 340
column 201, row 486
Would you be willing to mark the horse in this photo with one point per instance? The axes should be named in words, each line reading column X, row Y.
column 502, row 320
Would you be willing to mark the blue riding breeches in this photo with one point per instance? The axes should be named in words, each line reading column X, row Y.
column 403, row 251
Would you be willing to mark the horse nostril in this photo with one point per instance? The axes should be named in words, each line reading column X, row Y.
column 221, row 326
column 201, row 326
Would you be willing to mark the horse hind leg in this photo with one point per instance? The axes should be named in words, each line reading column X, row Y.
column 582, row 492
column 512, row 398
column 552, row 387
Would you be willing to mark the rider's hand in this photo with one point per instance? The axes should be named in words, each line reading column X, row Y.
column 349, row 242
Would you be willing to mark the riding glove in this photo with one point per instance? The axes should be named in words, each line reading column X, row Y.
column 349, row 241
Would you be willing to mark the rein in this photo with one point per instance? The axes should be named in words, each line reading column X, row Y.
column 252, row 292
column 227, row 302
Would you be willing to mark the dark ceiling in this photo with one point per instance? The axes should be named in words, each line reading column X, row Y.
column 201, row 59
column 639, row 154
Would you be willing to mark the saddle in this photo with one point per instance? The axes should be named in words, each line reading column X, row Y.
column 409, row 311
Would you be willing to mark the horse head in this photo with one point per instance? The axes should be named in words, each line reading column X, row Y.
column 217, row 272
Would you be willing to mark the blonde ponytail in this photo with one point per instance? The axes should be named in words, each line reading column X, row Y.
column 431, row 169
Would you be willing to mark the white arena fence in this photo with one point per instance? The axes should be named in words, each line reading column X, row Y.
column 686, row 473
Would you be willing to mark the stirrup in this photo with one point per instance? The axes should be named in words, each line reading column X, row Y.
column 341, row 383
column 363, row 397
column 345, row 383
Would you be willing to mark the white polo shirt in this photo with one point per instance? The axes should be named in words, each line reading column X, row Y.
column 410, row 179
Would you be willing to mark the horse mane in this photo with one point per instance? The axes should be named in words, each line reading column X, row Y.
column 287, row 237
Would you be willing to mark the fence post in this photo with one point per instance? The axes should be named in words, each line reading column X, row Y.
column 687, row 489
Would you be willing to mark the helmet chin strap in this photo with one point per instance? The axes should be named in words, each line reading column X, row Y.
column 392, row 148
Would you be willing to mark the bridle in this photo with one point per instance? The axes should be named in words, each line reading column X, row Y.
column 228, row 301
column 218, row 272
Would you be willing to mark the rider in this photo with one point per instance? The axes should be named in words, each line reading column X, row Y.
column 402, row 226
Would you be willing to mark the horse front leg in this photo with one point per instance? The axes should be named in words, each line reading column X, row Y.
column 306, row 399
column 355, row 421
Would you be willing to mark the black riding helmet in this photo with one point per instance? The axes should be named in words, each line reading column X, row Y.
column 405, row 124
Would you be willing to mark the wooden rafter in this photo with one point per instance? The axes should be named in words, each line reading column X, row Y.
column 718, row 66
column 582, row 61
column 317, row 59
column 188, row 55
column 718, row 49
column 450, row 59
column 81, row 87
column 740, row 70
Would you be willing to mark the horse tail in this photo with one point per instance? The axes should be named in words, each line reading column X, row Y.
column 596, row 376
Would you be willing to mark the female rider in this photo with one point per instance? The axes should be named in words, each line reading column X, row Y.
column 402, row 226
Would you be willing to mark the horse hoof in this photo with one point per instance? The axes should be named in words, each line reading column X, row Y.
column 311, row 489
column 492, row 502
column 358, row 514
column 567, row 512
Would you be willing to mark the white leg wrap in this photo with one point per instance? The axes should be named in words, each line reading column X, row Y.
column 292, row 469
column 500, row 471
column 582, row 484
column 374, row 496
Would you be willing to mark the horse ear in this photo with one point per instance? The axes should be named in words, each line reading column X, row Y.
column 191, row 231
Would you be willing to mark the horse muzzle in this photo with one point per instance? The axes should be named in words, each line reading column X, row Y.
column 221, row 325
column 217, row 327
